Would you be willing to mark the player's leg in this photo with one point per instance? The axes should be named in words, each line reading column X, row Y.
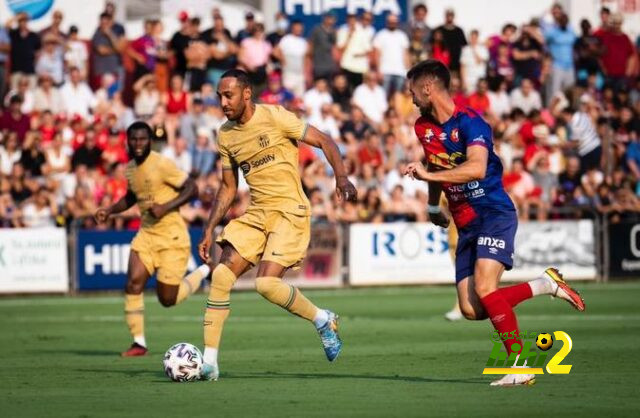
column 231, row 266
column 455, row 313
column 173, row 286
column 286, row 247
column 137, row 276
column 242, row 241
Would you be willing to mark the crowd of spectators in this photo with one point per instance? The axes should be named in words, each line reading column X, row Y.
column 564, row 108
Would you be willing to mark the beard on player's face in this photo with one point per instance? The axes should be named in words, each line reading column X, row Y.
column 138, row 152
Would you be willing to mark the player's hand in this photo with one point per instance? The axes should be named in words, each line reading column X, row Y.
column 204, row 246
column 416, row 171
column 346, row 190
column 158, row 211
column 102, row 214
column 439, row 219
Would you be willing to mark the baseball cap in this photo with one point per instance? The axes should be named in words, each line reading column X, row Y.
column 183, row 16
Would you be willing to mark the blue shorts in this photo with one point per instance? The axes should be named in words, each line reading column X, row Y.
column 490, row 235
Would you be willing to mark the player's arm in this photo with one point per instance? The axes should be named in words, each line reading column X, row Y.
column 474, row 168
column 186, row 192
column 129, row 199
column 435, row 191
column 344, row 188
column 224, row 199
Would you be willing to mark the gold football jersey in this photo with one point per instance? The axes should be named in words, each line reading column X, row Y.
column 266, row 150
column 156, row 181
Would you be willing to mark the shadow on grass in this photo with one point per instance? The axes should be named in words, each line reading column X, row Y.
column 396, row 378
column 91, row 353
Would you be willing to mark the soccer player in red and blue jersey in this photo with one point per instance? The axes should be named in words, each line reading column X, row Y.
column 458, row 146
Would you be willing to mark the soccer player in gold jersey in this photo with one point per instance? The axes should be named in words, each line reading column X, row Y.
column 162, row 244
column 262, row 141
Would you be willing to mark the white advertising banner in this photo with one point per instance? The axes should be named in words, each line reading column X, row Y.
column 399, row 253
column 416, row 253
column 567, row 245
column 33, row 260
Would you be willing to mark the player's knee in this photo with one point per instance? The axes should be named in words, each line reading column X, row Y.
column 134, row 288
column 469, row 313
column 167, row 300
column 265, row 286
column 483, row 288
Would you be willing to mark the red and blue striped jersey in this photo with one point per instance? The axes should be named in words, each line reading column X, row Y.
column 445, row 146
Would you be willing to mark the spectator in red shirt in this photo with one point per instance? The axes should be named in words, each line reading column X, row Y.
column 13, row 120
column 479, row 101
column 370, row 152
column 619, row 56
column 457, row 94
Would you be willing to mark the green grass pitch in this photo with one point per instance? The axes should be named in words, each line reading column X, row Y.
column 400, row 358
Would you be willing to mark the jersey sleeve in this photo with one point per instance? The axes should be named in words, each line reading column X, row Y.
column 289, row 124
column 171, row 174
column 225, row 159
column 476, row 131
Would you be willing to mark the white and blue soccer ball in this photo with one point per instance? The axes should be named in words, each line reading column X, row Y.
column 183, row 362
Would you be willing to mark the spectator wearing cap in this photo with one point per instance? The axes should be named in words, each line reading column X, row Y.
column 202, row 156
column 222, row 49
column 355, row 47
column 24, row 47
column 147, row 96
column 560, row 39
column 5, row 49
column 453, row 37
column 249, row 25
column 107, row 46
column 321, row 43
column 13, row 120
column 179, row 43
column 526, row 97
column 392, row 53
column 275, row 93
column 50, row 60
column 292, row 52
column 619, row 57
column 371, row 98
column 47, row 96
column 77, row 97
column 76, row 54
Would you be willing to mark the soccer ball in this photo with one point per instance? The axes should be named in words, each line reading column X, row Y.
column 183, row 363
column 544, row 341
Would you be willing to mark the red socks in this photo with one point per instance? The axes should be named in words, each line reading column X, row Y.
column 516, row 293
column 502, row 316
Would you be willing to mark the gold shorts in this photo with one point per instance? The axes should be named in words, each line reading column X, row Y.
column 169, row 261
column 269, row 235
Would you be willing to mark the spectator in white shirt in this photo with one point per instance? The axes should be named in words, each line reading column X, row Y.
column 50, row 60
column 76, row 54
column 316, row 97
column 473, row 62
column 77, row 97
column 179, row 154
column 47, row 96
column 371, row 98
column 326, row 123
column 292, row 53
column 392, row 51
column 499, row 102
column 526, row 97
column 40, row 211
column 355, row 44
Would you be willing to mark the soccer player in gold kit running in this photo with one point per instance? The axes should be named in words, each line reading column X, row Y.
column 162, row 244
column 262, row 140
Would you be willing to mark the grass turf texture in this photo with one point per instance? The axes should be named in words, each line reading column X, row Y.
column 400, row 358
